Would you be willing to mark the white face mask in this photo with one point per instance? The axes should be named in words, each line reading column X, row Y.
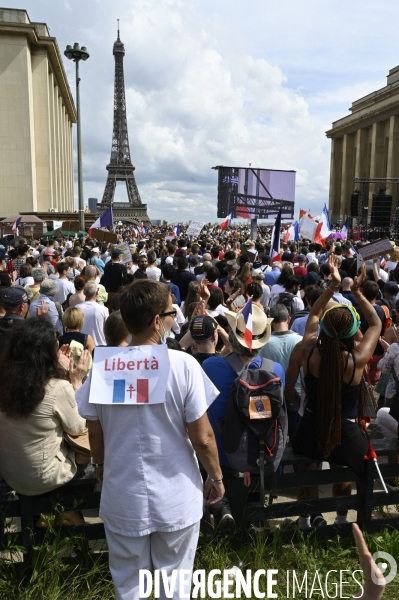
column 164, row 337
column 129, row 339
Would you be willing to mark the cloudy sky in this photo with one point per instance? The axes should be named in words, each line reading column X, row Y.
column 221, row 82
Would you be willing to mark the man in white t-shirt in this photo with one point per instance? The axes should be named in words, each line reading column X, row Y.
column 152, row 270
column 152, row 493
column 95, row 314
column 65, row 286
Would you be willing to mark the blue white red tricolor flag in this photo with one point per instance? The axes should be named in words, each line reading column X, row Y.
column 227, row 222
column 345, row 228
column 275, row 241
column 120, row 390
column 142, row 228
column 16, row 224
column 323, row 229
column 246, row 312
column 292, row 232
column 176, row 231
column 104, row 220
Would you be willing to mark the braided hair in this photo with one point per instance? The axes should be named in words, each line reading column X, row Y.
column 339, row 322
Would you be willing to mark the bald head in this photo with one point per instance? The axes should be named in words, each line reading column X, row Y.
column 346, row 284
column 206, row 256
column 90, row 272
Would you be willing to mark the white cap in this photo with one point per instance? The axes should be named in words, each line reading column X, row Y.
column 68, row 244
column 96, row 250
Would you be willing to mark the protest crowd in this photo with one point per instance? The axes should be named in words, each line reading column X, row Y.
column 297, row 321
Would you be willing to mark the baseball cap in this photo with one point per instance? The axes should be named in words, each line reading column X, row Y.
column 96, row 250
column 391, row 287
column 203, row 327
column 287, row 256
column 77, row 250
column 14, row 295
column 48, row 252
column 301, row 257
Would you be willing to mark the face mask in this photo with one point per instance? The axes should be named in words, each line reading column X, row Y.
column 164, row 337
column 129, row 339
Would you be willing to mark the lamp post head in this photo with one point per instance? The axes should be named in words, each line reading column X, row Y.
column 76, row 53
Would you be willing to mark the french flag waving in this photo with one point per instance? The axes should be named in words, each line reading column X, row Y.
column 176, row 230
column 227, row 222
column 104, row 220
column 246, row 312
column 16, row 224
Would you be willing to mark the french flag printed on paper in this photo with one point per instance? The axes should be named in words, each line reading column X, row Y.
column 247, row 314
column 121, row 390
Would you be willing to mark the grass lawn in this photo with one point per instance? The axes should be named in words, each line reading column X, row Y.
column 65, row 570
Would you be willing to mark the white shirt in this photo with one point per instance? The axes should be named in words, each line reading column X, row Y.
column 153, row 273
column 24, row 281
column 311, row 256
column 169, row 260
column 65, row 287
column 151, row 476
column 93, row 324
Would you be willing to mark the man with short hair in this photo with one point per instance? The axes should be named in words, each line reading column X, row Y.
column 113, row 272
column 171, row 254
column 204, row 332
column 141, row 272
column 182, row 277
column 91, row 274
column 279, row 348
column 65, row 287
column 48, row 289
column 152, row 271
column 14, row 300
column 300, row 270
column 290, row 298
column 95, row 314
column 258, row 276
column 206, row 259
column 97, row 261
column 167, row 274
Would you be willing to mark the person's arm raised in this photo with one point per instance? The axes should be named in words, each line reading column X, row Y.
column 317, row 310
column 364, row 350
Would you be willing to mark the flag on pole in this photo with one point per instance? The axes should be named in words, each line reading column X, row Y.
column 246, row 312
column 345, row 228
column 104, row 220
column 135, row 232
column 227, row 222
column 15, row 224
column 176, row 231
column 275, row 241
column 292, row 232
column 302, row 213
column 323, row 229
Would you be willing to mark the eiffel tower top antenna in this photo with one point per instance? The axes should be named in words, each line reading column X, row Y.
column 118, row 30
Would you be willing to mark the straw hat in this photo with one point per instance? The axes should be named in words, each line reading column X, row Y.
column 261, row 327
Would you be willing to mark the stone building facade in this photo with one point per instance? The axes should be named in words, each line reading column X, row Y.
column 36, row 116
column 365, row 144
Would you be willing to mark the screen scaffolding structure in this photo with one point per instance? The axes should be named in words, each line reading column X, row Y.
column 255, row 193
column 363, row 186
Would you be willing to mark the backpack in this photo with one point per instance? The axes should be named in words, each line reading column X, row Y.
column 286, row 299
column 65, row 304
column 388, row 319
column 255, row 426
column 390, row 304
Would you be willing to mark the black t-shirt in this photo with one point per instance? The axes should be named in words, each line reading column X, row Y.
column 364, row 325
column 140, row 275
column 350, row 266
column 112, row 279
column 5, row 280
column 201, row 356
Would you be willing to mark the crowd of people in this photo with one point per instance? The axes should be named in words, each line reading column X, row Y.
column 326, row 329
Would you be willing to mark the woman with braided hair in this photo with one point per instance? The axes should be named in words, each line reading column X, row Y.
column 333, row 368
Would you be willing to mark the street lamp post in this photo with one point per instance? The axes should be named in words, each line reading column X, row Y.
column 76, row 54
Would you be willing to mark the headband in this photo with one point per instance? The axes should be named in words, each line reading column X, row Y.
column 355, row 326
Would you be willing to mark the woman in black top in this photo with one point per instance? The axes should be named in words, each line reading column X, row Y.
column 73, row 323
column 333, row 368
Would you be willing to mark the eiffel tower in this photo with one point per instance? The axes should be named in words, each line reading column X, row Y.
column 120, row 167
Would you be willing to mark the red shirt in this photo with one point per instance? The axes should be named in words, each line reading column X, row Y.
column 300, row 271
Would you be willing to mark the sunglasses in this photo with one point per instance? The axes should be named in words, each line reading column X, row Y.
column 171, row 313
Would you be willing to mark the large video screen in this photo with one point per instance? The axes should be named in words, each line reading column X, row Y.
column 255, row 193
